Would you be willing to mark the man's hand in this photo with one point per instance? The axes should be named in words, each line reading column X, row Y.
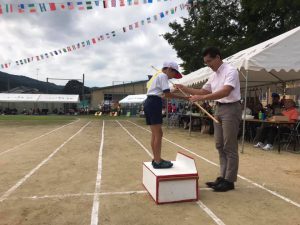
column 179, row 86
column 194, row 98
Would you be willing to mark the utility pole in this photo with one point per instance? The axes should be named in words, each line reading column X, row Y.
column 83, row 98
column 47, row 85
column 8, row 86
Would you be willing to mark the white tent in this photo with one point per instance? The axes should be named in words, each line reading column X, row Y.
column 133, row 99
column 12, row 97
column 273, row 61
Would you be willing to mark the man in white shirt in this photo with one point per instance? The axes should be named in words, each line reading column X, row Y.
column 158, row 87
column 223, row 87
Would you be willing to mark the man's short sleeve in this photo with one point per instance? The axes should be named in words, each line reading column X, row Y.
column 164, row 83
column 231, row 78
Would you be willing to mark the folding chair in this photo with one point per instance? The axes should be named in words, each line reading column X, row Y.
column 293, row 136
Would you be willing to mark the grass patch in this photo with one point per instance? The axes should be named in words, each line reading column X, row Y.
column 34, row 120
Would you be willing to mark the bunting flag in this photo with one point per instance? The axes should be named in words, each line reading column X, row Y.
column 122, row 3
column 21, row 8
column 89, row 5
column 86, row 43
column 63, row 6
column 32, row 8
column 42, row 7
column 70, row 5
column 52, row 6
column 80, row 6
column 105, row 4
column 8, row 8
column 113, row 3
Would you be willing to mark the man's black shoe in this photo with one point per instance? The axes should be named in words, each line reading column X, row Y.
column 214, row 183
column 224, row 186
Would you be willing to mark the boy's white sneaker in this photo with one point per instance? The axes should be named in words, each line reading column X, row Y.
column 268, row 147
column 259, row 145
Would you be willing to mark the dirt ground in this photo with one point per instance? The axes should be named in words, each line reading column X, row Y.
column 48, row 175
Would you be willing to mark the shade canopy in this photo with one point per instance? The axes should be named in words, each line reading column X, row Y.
column 272, row 61
column 133, row 99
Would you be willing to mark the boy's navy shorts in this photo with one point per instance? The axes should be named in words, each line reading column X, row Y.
column 153, row 110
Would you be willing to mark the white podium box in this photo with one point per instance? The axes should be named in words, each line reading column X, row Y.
column 177, row 184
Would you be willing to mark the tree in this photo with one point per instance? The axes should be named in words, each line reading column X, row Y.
column 231, row 25
column 75, row 87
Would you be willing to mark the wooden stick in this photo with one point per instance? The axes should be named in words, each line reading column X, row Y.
column 199, row 106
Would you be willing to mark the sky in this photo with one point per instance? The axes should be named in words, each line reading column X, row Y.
column 125, row 58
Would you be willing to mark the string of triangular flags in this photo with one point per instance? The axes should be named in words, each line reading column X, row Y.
column 70, row 5
column 94, row 40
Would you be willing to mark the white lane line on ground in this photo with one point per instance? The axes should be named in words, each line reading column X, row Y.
column 95, row 209
column 206, row 210
column 36, row 138
column 210, row 213
column 137, row 141
column 62, row 196
column 81, row 195
column 240, row 176
column 20, row 182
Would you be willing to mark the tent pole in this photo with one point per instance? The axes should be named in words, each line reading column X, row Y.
column 190, row 127
column 167, row 110
column 244, row 114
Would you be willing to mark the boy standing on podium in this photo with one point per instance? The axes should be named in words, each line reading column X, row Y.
column 158, row 87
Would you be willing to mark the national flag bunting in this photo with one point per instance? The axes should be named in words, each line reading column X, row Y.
column 21, row 8
column 32, row 8
column 63, row 6
column 42, row 7
column 122, row 3
column 89, row 5
column 9, row 8
column 105, row 4
column 80, row 6
column 70, row 5
column 52, row 6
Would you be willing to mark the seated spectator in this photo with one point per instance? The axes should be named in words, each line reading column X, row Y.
column 174, row 109
column 276, row 107
column 248, row 110
column 269, row 133
column 258, row 108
